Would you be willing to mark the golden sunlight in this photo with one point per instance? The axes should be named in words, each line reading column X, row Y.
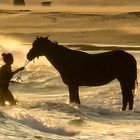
column 7, row 103
column 9, row 45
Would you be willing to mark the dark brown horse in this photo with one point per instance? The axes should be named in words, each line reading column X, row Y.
column 82, row 69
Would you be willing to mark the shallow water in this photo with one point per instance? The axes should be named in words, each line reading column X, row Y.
column 44, row 112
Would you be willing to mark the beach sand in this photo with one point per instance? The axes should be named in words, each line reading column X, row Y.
column 98, row 24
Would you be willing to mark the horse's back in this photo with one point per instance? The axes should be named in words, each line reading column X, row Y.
column 98, row 69
column 106, row 59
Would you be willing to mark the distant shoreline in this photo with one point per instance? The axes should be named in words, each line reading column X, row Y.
column 102, row 47
column 111, row 28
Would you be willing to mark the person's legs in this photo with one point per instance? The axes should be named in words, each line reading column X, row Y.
column 10, row 98
column 2, row 98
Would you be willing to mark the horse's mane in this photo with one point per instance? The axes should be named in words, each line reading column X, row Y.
column 60, row 48
column 57, row 45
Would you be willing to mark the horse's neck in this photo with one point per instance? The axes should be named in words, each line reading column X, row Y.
column 51, row 50
column 54, row 53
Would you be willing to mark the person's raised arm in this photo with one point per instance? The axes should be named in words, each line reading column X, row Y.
column 18, row 70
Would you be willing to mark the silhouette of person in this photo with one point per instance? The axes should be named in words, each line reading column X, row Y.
column 6, row 75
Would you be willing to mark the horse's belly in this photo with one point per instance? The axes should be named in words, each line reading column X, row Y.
column 89, row 77
column 95, row 80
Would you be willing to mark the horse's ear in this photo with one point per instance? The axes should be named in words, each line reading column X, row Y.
column 37, row 37
column 47, row 37
column 56, row 42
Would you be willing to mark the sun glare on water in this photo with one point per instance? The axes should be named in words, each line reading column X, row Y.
column 19, row 50
column 9, row 45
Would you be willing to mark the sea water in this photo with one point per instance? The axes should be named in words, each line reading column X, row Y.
column 44, row 112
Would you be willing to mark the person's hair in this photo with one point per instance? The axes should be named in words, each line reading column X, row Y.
column 7, row 57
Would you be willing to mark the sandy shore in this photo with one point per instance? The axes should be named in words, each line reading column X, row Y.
column 111, row 37
column 72, row 27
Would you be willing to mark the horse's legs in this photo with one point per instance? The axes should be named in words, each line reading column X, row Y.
column 124, row 101
column 127, row 96
column 131, row 100
column 74, row 94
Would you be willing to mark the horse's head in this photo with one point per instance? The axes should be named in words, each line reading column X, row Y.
column 37, row 49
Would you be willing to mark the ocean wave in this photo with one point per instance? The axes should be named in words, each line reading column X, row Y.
column 101, row 47
column 2, row 115
column 30, row 115
column 37, row 125
column 94, row 15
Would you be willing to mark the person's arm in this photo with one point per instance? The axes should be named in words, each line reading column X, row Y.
column 16, row 71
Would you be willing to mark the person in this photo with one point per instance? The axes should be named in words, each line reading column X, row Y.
column 6, row 75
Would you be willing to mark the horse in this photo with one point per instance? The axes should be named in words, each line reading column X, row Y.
column 79, row 68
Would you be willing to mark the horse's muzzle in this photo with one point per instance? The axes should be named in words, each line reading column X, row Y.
column 29, row 57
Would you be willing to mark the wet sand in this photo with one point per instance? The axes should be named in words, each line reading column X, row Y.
column 72, row 27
